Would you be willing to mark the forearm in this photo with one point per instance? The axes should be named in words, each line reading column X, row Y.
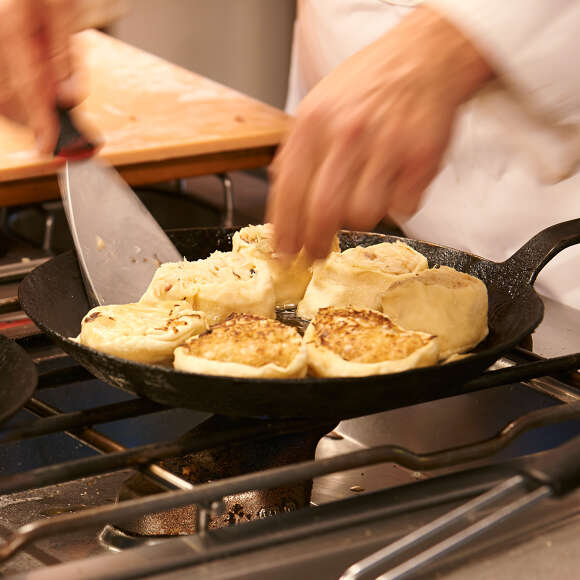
column 458, row 67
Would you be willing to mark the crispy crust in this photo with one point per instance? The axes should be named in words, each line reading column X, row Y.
column 245, row 345
column 359, row 342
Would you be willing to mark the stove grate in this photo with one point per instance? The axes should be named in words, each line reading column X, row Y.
column 208, row 496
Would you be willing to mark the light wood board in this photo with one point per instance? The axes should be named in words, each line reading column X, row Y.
column 157, row 121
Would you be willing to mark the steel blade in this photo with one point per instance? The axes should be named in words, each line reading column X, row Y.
column 118, row 242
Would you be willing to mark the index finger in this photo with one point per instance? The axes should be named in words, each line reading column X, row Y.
column 295, row 167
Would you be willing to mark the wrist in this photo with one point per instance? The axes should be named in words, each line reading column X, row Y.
column 454, row 62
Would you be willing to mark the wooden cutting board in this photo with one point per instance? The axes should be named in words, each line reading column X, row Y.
column 157, row 120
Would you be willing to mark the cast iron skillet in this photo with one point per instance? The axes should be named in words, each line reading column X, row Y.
column 55, row 299
column 17, row 378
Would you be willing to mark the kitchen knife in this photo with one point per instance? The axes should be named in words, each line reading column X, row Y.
column 118, row 242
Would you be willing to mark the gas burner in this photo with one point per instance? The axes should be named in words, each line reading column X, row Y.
column 236, row 486
column 215, row 464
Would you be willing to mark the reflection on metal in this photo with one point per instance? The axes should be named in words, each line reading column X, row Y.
column 228, row 215
column 48, row 232
column 565, row 392
column 104, row 444
column 470, row 533
column 444, row 449
column 555, row 389
column 19, row 269
column 459, row 515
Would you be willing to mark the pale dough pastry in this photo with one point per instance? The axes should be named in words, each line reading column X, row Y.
column 245, row 346
column 225, row 282
column 349, row 342
column 358, row 276
column 441, row 301
column 290, row 277
column 141, row 332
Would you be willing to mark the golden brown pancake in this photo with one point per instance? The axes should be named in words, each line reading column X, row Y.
column 245, row 345
column 349, row 342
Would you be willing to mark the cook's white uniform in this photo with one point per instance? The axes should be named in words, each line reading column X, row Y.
column 512, row 167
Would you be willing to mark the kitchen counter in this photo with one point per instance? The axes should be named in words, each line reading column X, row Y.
column 157, row 121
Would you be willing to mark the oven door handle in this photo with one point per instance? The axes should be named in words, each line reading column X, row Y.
column 554, row 472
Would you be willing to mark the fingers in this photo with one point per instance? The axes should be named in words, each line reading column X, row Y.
column 406, row 196
column 27, row 77
column 60, row 17
column 420, row 168
column 292, row 171
column 36, row 68
column 367, row 141
column 369, row 200
column 356, row 185
column 330, row 190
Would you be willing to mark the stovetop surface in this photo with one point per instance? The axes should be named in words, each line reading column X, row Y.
column 547, row 551
column 422, row 428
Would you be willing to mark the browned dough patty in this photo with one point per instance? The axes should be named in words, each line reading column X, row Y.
column 364, row 336
column 248, row 339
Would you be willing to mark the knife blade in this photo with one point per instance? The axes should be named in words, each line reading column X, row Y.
column 119, row 244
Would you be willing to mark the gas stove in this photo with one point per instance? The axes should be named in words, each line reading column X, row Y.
column 96, row 483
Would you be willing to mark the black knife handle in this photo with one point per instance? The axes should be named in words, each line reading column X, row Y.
column 559, row 468
column 72, row 143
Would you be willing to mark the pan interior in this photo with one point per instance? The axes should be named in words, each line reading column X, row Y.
column 54, row 297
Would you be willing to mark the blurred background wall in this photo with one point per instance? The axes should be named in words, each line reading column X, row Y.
column 244, row 44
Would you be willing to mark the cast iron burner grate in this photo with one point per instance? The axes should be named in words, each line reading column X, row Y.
column 57, row 370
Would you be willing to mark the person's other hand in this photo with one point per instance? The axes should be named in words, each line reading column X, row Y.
column 369, row 137
column 36, row 65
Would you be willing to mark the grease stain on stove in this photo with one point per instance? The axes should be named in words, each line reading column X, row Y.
column 52, row 511
column 6, row 501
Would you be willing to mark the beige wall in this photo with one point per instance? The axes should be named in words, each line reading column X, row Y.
column 244, row 44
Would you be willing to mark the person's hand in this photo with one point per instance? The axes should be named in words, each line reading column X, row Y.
column 370, row 136
column 36, row 65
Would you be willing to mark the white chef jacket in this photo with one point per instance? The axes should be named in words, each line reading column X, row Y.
column 512, row 166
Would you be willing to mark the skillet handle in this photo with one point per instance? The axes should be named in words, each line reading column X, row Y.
column 529, row 260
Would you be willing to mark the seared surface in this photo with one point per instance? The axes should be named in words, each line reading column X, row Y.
column 364, row 336
column 248, row 339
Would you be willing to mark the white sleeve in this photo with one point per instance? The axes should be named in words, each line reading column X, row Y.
column 532, row 45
